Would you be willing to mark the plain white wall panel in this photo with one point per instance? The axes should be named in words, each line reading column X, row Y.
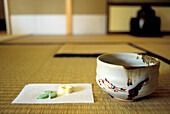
column 23, row 24
column 51, row 24
column 38, row 24
column 89, row 24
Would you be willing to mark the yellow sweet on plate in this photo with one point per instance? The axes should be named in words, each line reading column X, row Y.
column 65, row 89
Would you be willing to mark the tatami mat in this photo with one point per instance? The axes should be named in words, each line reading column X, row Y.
column 89, row 39
column 5, row 37
column 24, row 59
column 81, row 70
column 159, row 49
column 114, row 48
column 41, row 39
column 26, row 64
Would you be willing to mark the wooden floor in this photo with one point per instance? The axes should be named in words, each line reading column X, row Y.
column 30, row 59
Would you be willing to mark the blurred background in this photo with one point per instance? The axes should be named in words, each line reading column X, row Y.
column 83, row 17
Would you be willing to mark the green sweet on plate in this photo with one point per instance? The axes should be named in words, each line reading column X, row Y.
column 47, row 94
column 43, row 96
column 52, row 95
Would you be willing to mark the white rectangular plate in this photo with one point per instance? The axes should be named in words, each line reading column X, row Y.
column 82, row 93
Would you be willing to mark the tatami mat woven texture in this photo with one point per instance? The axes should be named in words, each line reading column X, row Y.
column 25, row 64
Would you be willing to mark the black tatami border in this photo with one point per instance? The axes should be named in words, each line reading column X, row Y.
column 150, row 53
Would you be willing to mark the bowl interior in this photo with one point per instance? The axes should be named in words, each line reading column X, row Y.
column 128, row 59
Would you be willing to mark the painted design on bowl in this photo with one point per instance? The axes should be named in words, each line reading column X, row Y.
column 134, row 92
column 106, row 84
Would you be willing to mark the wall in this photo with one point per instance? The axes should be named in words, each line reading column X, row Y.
column 37, row 6
column 163, row 13
column 89, row 17
column 38, row 16
column 139, row 1
column 120, row 17
column 48, row 16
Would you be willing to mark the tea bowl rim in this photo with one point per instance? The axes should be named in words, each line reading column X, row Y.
column 128, row 67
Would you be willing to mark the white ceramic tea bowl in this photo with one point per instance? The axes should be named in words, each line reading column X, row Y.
column 127, row 76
